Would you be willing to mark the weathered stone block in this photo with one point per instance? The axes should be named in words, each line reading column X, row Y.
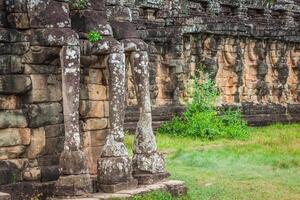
column 14, row 137
column 54, row 145
column 56, row 130
column 11, row 152
column 92, row 76
column 32, row 174
column 94, row 124
column 18, row 20
column 44, row 14
column 90, row 109
column 54, row 37
column 37, row 144
column 94, row 138
column 8, row 102
column 93, row 154
column 41, row 69
column 96, row 92
column 11, row 64
column 12, row 119
column 45, row 88
column 14, row 48
column 42, row 55
column 87, row 20
column 106, row 109
column 73, row 185
column 14, row 84
column 45, row 114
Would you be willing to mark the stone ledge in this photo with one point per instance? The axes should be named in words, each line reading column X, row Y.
column 176, row 188
column 4, row 196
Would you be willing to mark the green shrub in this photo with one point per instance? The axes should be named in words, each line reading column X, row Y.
column 78, row 4
column 202, row 120
column 94, row 36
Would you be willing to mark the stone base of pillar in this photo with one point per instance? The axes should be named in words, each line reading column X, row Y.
column 149, row 168
column 148, row 163
column 73, row 185
column 130, row 184
column 149, row 179
column 115, row 174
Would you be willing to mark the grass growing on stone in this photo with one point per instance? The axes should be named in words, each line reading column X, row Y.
column 266, row 166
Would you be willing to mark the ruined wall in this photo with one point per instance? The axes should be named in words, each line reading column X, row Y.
column 250, row 49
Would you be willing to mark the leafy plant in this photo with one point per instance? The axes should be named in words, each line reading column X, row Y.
column 202, row 119
column 94, row 36
column 78, row 4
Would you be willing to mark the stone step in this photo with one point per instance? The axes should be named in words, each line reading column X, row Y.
column 176, row 188
column 4, row 196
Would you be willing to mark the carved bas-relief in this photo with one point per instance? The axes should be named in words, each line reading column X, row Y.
column 293, row 62
column 226, row 78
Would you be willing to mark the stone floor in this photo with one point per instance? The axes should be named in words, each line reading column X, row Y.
column 176, row 188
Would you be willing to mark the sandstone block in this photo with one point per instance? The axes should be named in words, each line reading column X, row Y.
column 91, row 109
column 56, row 130
column 18, row 20
column 96, row 92
column 94, row 138
column 14, row 136
column 37, row 144
column 32, row 174
column 14, row 84
column 45, row 114
column 92, row 154
column 44, row 14
column 42, row 55
column 94, row 124
column 12, row 119
column 45, row 88
column 73, row 162
column 54, row 145
column 8, row 102
column 10, row 64
column 73, row 185
column 54, row 37
column 11, row 152
column 106, row 109
column 92, row 76
column 41, row 69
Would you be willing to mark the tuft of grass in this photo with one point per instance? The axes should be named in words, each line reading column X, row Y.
column 94, row 36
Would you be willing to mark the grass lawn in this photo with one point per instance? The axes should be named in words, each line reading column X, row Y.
column 264, row 167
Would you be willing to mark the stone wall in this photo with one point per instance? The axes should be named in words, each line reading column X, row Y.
column 252, row 50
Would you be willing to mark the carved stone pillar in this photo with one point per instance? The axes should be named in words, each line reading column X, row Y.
column 148, row 164
column 75, row 179
column 114, row 166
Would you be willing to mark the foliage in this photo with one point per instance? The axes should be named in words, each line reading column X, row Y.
column 202, row 120
column 94, row 36
column 78, row 4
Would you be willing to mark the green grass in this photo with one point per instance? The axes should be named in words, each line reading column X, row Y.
column 264, row 167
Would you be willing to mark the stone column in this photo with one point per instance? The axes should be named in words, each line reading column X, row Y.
column 148, row 164
column 114, row 166
column 75, row 179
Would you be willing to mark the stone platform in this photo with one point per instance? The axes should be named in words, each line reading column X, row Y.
column 176, row 188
